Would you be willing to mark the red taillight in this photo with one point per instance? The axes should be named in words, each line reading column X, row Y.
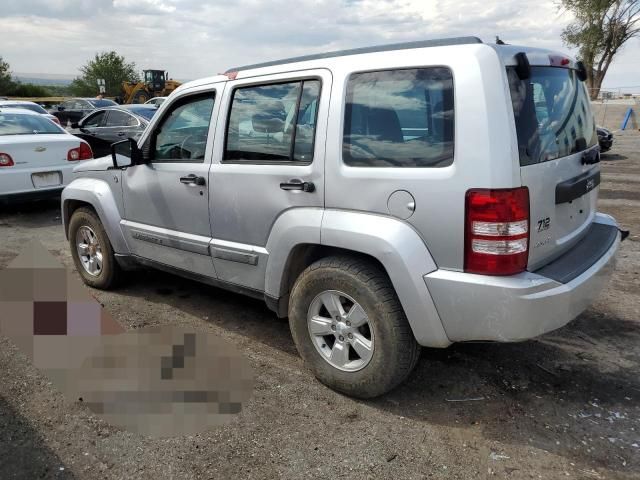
column 6, row 160
column 496, row 231
column 83, row 152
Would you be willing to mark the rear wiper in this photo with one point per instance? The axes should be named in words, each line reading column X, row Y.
column 589, row 157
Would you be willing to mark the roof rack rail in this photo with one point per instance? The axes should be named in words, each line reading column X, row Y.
column 443, row 42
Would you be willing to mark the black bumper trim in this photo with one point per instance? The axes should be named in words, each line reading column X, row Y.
column 583, row 255
column 31, row 195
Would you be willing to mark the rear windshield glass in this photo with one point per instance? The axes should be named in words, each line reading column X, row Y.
column 553, row 114
column 26, row 124
column 34, row 107
column 102, row 103
column 147, row 113
column 399, row 118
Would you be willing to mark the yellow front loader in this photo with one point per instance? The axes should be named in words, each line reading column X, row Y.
column 156, row 84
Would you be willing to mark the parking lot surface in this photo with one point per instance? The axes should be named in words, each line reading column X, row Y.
column 566, row 405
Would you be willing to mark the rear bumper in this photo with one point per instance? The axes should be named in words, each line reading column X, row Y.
column 39, row 194
column 523, row 306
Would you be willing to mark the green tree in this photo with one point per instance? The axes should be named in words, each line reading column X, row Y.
column 29, row 90
column 599, row 29
column 111, row 67
column 6, row 83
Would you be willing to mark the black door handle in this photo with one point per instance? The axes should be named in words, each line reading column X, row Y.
column 121, row 134
column 298, row 185
column 193, row 180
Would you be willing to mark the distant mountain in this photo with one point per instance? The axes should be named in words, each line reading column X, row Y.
column 44, row 78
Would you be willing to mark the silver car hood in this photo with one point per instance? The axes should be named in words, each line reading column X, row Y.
column 97, row 164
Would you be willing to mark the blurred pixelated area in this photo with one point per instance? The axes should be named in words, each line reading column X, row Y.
column 160, row 381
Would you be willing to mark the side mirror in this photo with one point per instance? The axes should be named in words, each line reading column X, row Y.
column 126, row 153
column 60, row 108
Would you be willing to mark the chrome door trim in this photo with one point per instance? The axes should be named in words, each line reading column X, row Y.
column 236, row 252
column 234, row 256
column 168, row 238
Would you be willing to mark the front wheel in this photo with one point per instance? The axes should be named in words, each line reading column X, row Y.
column 140, row 97
column 349, row 327
column 91, row 250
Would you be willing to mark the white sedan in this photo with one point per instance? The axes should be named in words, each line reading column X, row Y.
column 36, row 155
column 34, row 107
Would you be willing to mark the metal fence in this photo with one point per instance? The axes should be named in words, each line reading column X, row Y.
column 620, row 93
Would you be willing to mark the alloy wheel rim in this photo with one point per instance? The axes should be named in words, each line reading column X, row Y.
column 340, row 331
column 89, row 250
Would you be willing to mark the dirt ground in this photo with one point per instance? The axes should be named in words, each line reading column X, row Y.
column 566, row 405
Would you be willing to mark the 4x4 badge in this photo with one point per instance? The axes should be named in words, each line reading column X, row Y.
column 544, row 224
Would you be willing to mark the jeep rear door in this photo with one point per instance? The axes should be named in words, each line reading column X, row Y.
column 269, row 159
column 558, row 155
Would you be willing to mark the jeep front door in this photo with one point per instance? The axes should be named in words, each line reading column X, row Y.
column 166, row 199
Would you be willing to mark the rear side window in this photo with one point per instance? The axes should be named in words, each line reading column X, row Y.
column 273, row 123
column 117, row 118
column 399, row 118
column 95, row 120
column 552, row 113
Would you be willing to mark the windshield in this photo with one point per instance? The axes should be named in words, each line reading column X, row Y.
column 27, row 106
column 25, row 124
column 553, row 114
column 102, row 103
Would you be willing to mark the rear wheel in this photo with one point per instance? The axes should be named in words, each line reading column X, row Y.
column 91, row 250
column 349, row 327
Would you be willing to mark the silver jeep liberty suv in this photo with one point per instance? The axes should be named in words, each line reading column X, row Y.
column 381, row 198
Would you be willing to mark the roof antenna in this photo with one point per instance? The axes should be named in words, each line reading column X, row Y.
column 498, row 41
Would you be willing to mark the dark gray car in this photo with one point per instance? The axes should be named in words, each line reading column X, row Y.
column 105, row 126
column 74, row 109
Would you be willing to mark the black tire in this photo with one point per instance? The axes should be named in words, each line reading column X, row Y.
column 141, row 97
column 395, row 351
column 110, row 274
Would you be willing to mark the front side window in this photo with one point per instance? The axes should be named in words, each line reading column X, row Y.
column 273, row 123
column 182, row 135
column 552, row 113
column 399, row 118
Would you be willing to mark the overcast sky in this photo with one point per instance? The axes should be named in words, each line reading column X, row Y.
column 197, row 38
